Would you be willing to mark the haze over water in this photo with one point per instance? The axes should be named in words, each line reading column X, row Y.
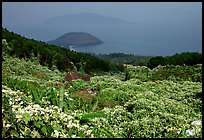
column 155, row 29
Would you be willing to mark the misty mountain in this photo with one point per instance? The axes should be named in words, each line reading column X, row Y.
column 85, row 18
column 76, row 39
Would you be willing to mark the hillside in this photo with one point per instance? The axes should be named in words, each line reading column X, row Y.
column 162, row 102
column 52, row 55
column 35, row 106
column 185, row 58
column 121, row 58
column 76, row 39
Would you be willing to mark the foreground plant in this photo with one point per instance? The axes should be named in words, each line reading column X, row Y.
column 33, row 106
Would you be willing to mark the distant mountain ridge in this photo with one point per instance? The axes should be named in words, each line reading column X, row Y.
column 76, row 39
column 85, row 18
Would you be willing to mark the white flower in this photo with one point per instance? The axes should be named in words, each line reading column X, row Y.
column 21, row 103
column 76, row 125
column 74, row 113
column 59, row 110
column 62, row 116
column 63, row 135
column 47, row 109
column 56, row 133
column 18, row 116
column 70, row 124
column 178, row 131
column 65, row 115
column 12, row 92
column 31, row 114
column 10, row 103
column 70, row 99
column 190, row 132
column 92, row 136
column 4, row 90
column 21, row 111
column 42, row 113
column 195, row 123
column 55, row 107
column 14, row 111
column 85, row 126
column 65, row 94
column 65, row 119
column 7, row 125
column 36, row 106
column 73, row 136
column 95, row 119
column 69, row 117
column 88, row 132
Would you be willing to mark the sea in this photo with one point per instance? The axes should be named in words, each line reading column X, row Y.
column 138, row 39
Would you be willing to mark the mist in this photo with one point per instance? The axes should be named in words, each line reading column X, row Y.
column 156, row 28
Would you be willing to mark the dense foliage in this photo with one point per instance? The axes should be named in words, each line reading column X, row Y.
column 121, row 58
column 51, row 55
column 187, row 58
column 145, row 106
column 163, row 102
column 168, row 72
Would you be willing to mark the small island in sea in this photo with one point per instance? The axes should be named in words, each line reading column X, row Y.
column 76, row 39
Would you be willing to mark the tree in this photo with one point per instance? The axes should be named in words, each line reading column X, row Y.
column 155, row 61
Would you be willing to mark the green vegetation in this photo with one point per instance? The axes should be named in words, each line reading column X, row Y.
column 32, row 105
column 169, row 72
column 51, row 55
column 121, row 58
column 152, row 103
column 187, row 58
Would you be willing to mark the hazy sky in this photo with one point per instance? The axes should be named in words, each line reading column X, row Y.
column 167, row 24
column 156, row 12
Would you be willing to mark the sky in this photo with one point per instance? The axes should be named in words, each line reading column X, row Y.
column 35, row 12
column 172, row 15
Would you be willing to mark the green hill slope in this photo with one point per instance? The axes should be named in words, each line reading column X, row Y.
column 35, row 106
column 164, row 102
column 51, row 55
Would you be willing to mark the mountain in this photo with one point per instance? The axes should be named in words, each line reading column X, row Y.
column 85, row 18
column 76, row 39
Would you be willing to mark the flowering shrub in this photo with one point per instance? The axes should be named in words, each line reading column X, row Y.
column 169, row 72
column 35, row 121
column 32, row 107
column 139, row 72
column 153, row 109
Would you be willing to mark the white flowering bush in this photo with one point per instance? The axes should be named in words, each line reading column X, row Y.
column 169, row 72
column 31, row 120
column 139, row 72
column 152, row 109
column 142, row 107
